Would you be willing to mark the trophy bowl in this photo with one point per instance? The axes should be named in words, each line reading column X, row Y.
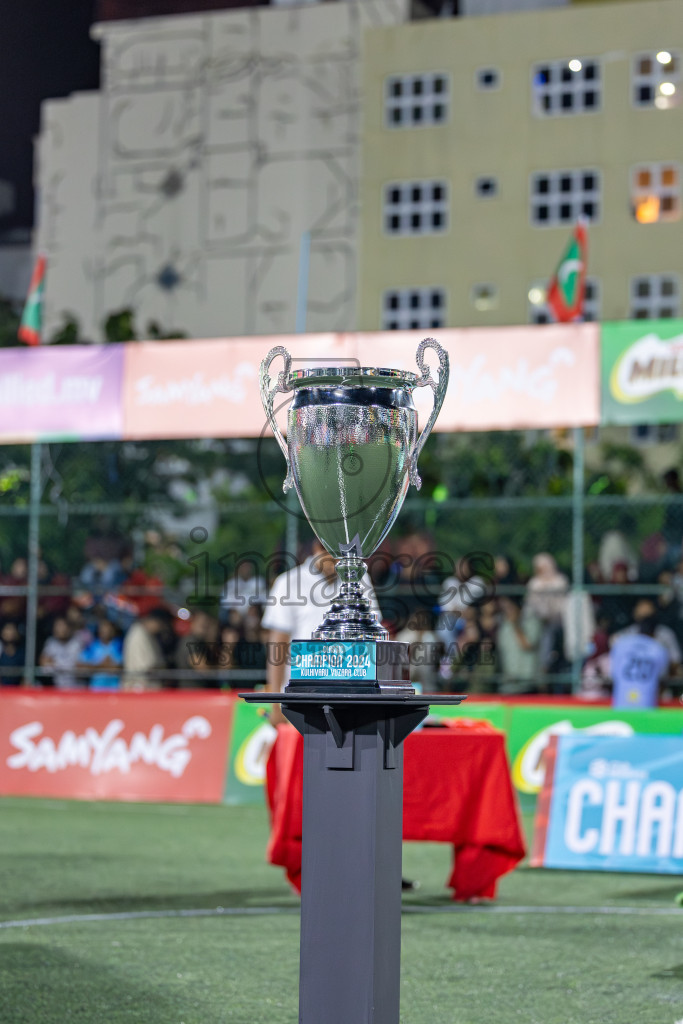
column 351, row 450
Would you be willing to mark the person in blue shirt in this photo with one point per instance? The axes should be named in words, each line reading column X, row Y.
column 637, row 664
column 105, row 652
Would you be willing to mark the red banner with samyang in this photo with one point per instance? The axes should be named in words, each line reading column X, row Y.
column 129, row 746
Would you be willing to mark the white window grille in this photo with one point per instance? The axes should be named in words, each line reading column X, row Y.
column 539, row 313
column 655, row 297
column 656, row 193
column 414, row 100
column 654, row 433
column 415, row 309
column 564, row 87
column 561, row 197
column 415, row 207
column 656, row 79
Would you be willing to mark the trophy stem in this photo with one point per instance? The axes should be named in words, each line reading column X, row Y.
column 351, row 616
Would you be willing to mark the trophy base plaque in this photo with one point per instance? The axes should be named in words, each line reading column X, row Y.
column 350, row 666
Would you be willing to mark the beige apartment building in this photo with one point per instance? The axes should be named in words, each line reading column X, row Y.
column 484, row 138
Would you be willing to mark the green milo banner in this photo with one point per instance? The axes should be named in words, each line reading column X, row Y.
column 641, row 371
column 528, row 728
column 250, row 743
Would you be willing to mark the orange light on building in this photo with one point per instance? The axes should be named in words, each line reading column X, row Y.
column 647, row 210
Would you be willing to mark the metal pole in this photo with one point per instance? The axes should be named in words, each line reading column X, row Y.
column 577, row 553
column 302, row 287
column 33, row 558
column 292, row 530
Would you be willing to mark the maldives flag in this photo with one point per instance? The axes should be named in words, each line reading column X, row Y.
column 568, row 285
column 32, row 317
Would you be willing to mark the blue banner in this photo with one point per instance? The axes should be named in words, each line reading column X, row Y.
column 615, row 804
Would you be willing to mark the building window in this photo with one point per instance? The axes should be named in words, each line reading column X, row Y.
column 486, row 188
column 656, row 79
column 654, row 297
column 655, row 193
column 415, row 207
column 484, row 297
column 414, row 309
column 538, row 308
column 414, row 100
column 561, row 197
column 654, row 433
column 488, row 78
column 566, row 87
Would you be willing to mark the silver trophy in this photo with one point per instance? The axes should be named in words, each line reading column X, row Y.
column 352, row 449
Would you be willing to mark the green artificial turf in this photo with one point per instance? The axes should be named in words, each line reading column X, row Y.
column 462, row 966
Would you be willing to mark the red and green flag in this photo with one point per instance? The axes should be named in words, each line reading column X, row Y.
column 568, row 285
column 32, row 317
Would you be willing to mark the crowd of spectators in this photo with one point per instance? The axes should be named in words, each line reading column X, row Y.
column 114, row 626
column 506, row 633
column 478, row 624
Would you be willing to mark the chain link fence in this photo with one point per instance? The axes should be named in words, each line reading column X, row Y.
column 122, row 530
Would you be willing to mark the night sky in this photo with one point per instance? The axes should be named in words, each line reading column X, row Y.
column 45, row 52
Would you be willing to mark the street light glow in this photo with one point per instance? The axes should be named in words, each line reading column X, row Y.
column 664, row 57
column 575, row 65
column 667, row 88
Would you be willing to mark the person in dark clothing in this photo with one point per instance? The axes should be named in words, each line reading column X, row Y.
column 617, row 609
column 672, row 527
column 12, row 654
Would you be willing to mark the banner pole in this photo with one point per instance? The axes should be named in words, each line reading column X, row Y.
column 302, row 286
column 292, row 534
column 578, row 554
column 33, row 559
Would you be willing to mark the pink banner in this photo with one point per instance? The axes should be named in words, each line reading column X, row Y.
column 63, row 393
column 501, row 379
column 209, row 388
column 505, row 378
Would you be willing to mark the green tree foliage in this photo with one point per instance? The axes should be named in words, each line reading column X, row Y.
column 9, row 323
column 128, row 489
column 69, row 333
column 120, row 326
column 510, row 492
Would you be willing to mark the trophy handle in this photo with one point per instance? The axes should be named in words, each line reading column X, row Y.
column 267, row 396
column 439, row 390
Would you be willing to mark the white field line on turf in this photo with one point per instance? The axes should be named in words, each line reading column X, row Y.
column 140, row 915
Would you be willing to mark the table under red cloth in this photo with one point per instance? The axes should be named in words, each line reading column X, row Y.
column 456, row 789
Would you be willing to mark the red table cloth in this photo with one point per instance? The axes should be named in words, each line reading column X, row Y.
column 456, row 789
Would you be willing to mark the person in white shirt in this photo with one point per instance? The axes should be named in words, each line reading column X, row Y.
column 297, row 604
column 142, row 653
column 61, row 654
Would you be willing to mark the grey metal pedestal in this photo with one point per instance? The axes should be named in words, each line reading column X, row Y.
column 351, row 853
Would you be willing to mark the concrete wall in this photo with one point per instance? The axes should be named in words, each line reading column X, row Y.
column 183, row 188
